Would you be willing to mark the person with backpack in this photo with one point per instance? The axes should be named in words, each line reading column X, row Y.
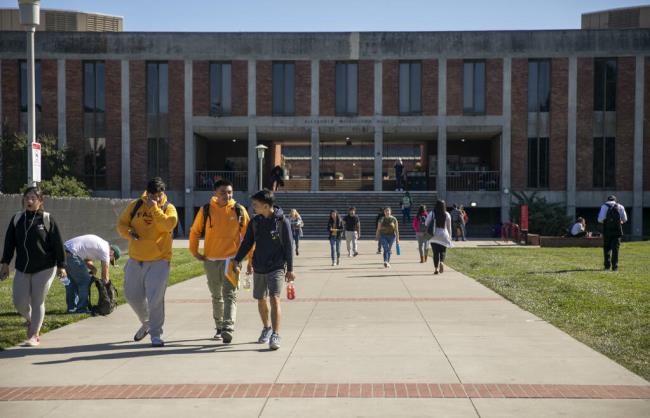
column 296, row 228
column 439, row 228
column 223, row 223
column 388, row 234
column 419, row 225
column 377, row 219
column 352, row 231
column 405, row 205
column 270, row 231
column 148, row 224
column 612, row 215
column 35, row 238
column 457, row 223
column 80, row 252
column 335, row 230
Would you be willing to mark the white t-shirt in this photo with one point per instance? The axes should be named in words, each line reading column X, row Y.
column 89, row 247
column 577, row 228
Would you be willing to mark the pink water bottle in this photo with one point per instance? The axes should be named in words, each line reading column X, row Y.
column 291, row 291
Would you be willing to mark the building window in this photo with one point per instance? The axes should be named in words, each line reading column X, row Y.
column 23, row 95
column 605, row 84
column 94, row 125
column 605, row 162
column 220, row 89
column 539, row 85
column 284, row 88
column 538, row 163
column 157, row 120
column 474, row 87
column 410, row 88
column 346, row 88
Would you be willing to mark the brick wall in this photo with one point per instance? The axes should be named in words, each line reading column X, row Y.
column 176, row 179
column 327, row 88
column 200, row 88
column 239, row 88
column 584, row 124
column 559, row 123
column 429, row 87
column 494, row 86
column 454, row 87
column 264, row 88
column 646, row 128
column 113, row 103
column 625, row 123
column 138, row 124
column 303, row 88
column 49, row 115
column 519, row 127
column 10, row 99
column 390, row 95
column 75, row 113
column 366, row 83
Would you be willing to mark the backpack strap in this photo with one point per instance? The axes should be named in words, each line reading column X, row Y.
column 17, row 216
column 239, row 210
column 206, row 216
column 136, row 208
column 46, row 220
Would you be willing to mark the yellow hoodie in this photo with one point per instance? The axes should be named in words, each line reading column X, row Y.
column 223, row 238
column 154, row 227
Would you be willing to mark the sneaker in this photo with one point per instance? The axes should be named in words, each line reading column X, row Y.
column 435, row 272
column 274, row 342
column 265, row 336
column 35, row 341
column 333, row 263
column 227, row 337
column 355, row 254
column 142, row 332
column 338, row 261
column 615, row 268
column 217, row 336
column 441, row 267
column 387, row 265
column 157, row 342
column 297, row 253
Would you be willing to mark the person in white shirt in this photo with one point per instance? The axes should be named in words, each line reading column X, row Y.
column 80, row 253
column 441, row 239
column 612, row 215
column 579, row 229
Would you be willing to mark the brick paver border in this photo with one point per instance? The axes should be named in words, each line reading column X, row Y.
column 376, row 299
column 324, row 390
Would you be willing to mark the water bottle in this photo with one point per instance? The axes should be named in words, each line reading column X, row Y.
column 65, row 280
column 397, row 249
column 291, row 291
column 247, row 282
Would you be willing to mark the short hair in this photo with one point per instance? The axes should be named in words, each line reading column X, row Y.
column 264, row 196
column 387, row 207
column 352, row 208
column 220, row 183
column 34, row 189
column 580, row 219
column 155, row 185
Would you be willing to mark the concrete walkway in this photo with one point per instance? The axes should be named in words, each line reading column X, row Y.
column 359, row 340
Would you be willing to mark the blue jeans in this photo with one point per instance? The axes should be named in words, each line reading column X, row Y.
column 335, row 243
column 406, row 214
column 296, row 239
column 387, row 244
column 79, row 283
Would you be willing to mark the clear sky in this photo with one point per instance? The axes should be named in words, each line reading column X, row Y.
column 339, row 15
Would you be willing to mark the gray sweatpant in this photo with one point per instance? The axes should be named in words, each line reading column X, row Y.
column 145, row 283
column 351, row 238
column 422, row 244
column 29, row 292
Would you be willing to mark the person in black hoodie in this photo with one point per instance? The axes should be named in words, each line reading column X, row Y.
column 270, row 231
column 335, row 230
column 35, row 238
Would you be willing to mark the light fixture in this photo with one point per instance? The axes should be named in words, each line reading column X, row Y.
column 473, row 204
column 462, row 140
column 348, row 141
column 234, row 140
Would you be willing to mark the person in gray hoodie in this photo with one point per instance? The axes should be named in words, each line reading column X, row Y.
column 270, row 231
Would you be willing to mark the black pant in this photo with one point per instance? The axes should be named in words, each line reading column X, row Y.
column 439, row 252
column 580, row 234
column 611, row 244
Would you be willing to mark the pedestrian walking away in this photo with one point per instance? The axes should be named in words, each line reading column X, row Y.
column 457, row 223
column 438, row 225
column 34, row 237
column 352, row 231
column 270, row 232
column 335, row 230
column 405, row 205
column 399, row 173
column 419, row 226
column 223, row 223
column 612, row 215
column 148, row 224
column 388, row 234
column 80, row 253
column 296, row 228
column 463, row 224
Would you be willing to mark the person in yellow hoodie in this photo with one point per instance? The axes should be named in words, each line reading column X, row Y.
column 224, row 225
column 148, row 224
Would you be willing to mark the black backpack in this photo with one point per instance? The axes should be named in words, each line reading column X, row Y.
column 107, row 297
column 239, row 211
column 612, row 223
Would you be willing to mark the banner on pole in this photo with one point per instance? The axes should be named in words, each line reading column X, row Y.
column 524, row 217
column 36, row 162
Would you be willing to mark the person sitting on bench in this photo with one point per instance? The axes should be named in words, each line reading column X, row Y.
column 579, row 229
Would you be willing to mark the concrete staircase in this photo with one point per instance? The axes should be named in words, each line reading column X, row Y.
column 315, row 208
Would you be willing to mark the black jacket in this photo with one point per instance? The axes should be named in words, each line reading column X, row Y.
column 273, row 243
column 351, row 222
column 39, row 249
column 338, row 225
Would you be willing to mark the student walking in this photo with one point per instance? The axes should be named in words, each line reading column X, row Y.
column 405, row 205
column 388, row 234
column 419, row 225
column 399, row 175
column 335, row 229
column 439, row 226
column 458, row 223
column 35, row 238
column 352, row 231
column 270, row 231
column 223, row 223
column 612, row 215
column 148, row 224
column 377, row 219
column 296, row 228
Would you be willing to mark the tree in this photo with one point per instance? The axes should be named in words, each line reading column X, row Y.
column 544, row 218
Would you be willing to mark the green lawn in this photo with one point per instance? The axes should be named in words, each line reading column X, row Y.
column 12, row 330
column 608, row 311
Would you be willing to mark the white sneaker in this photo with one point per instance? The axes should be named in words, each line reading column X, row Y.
column 274, row 343
column 35, row 341
column 387, row 265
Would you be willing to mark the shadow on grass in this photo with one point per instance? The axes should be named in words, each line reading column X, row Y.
column 563, row 271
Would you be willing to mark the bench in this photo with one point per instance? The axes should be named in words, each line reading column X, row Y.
column 563, row 242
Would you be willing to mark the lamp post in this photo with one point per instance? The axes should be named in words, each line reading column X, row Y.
column 260, row 157
column 29, row 17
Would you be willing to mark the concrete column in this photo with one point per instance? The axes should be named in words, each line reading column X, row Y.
column 315, row 159
column 190, row 157
column 126, row 132
column 315, row 83
column 60, row 103
column 378, row 87
column 252, row 158
column 252, row 91
column 571, row 139
column 441, row 174
column 637, row 207
column 506, row 140
column 379, row 157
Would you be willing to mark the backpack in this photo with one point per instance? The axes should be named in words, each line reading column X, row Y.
column 456, row 216
column 612, row 223
column 107, row 297
column 239, row 211
column 46, row 220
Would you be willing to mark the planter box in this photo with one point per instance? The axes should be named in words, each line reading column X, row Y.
column 562, row 242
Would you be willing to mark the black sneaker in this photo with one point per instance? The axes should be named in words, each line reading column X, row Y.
column 226, row 336
column 217, row 336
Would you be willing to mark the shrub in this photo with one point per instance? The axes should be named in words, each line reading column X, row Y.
column 544, row 218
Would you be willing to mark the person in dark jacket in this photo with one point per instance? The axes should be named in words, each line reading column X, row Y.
column 35, row 238
column 335, row 230
column 612, row 215
column 270, row 231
